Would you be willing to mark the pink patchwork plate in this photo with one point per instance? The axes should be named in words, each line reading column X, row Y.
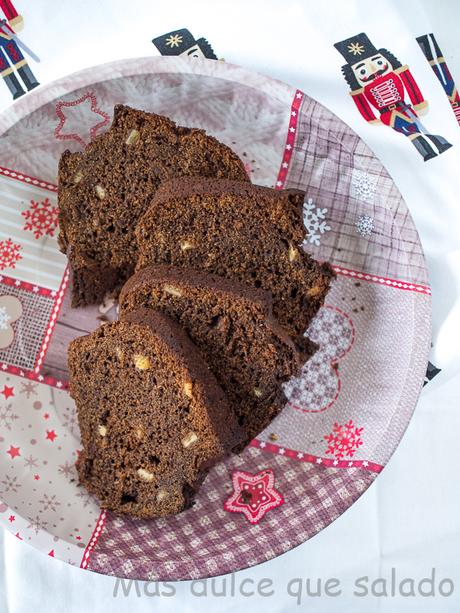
column 346, row 412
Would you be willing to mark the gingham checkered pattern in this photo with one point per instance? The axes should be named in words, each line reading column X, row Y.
column 329, row 161
column 206, row 540
column 29, row 329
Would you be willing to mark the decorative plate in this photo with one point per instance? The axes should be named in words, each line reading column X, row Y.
column 346, row 412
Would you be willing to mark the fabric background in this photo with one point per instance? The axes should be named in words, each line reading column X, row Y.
column 408, row 519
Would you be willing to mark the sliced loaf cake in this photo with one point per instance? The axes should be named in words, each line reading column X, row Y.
column 232, row 325
column 152, row 417
column 238, row 231
column 105, row 189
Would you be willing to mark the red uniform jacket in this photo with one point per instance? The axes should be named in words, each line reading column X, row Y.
column 11, row 15
column 385, row 91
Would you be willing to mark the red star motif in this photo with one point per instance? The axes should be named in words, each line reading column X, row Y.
column 46, row 416
column 36, row 477
column 51, row 553
column 7, row 391
column 253, row 495
column 13, row 451
column 51, row 435
column 11, row 518
column 81, row 120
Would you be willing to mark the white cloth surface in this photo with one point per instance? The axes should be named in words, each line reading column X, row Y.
column 410, row 517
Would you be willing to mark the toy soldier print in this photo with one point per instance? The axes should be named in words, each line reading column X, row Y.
column 430, row 48
column 378, row 80
column 12, row 61
column 182, row 42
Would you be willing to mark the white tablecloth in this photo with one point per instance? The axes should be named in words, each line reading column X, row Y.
column 409, row 519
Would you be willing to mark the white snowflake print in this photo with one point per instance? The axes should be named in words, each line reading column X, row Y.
column 30, row 462
column 49, row 502
column 314, row 219
column 67, row 469
column 4, row 318
column 365, row 226
column 7, row 417
column 363, row 186
column 29, row 389
column 37, row 523
column 10, row 484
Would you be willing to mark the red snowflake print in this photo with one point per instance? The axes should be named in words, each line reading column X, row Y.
column 253, row 495
column 9, row 254
column 344, row 440
column 51, row 435
column 41, row 218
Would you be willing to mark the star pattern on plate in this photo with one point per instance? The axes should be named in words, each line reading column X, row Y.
column 253, row 495
column 7, row 391
column 14, row 452
column 80, row 119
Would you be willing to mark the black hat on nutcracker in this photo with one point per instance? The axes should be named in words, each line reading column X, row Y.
column 182, row 42
column 357, row 48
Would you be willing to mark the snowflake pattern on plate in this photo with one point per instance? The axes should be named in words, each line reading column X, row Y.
column 69, row 420
column 37, row 523
column 7, row 416
column 31, row 462
column 10, row 484
column 29, row 389
column 363, row 186
column 314, row 219
column 344, row 440
column 49, row 502
column 9, row 254
column 4, row 318
column 41, row 218
column 37, row 457
column 364, row 226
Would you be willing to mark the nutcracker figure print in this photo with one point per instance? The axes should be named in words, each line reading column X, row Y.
column 12, row 60
column 378, row 79
column 182, row 42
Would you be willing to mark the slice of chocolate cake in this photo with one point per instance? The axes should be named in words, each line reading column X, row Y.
column 238, row 231
column 104, row 190
column 152, row 417
column 232, row 325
